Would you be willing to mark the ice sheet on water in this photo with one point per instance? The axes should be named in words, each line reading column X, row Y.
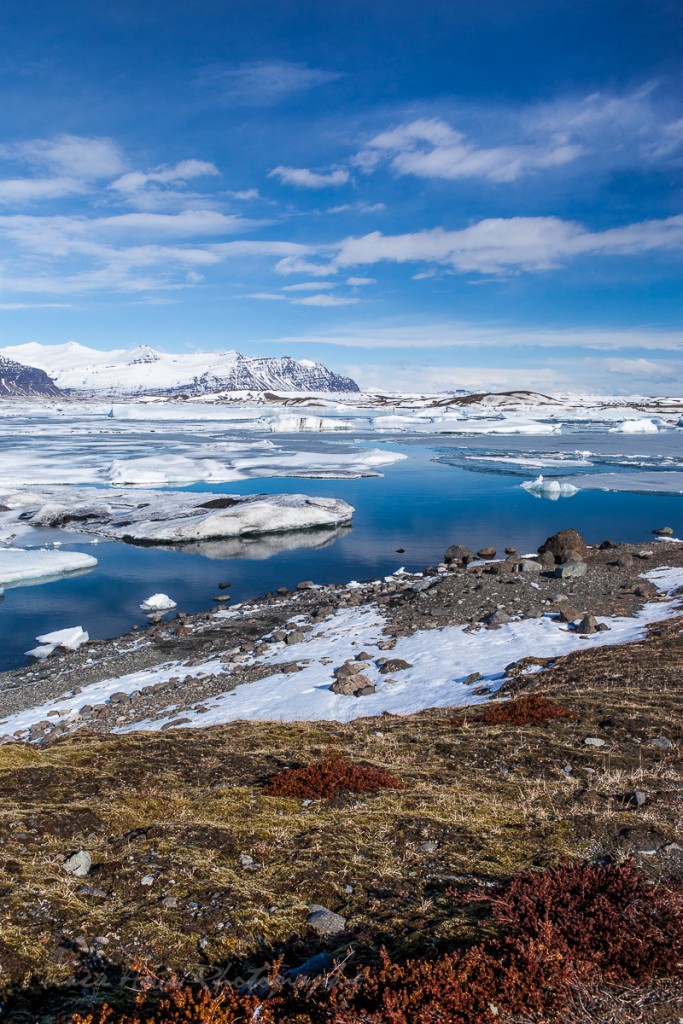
column 20, row 566
column 172, row 518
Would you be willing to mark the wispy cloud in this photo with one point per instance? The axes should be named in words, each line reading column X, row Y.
column 261, row 83
column 504, row 245
column 326, row 300
column 180, row 173
column 430, row 148
column 302, row 177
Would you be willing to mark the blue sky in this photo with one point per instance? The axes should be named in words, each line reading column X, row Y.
column 424, row 195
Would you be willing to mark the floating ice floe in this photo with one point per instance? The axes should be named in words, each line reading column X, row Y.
column 158, row 603
column 157, row 517
column 67, row 639
column 20, row 566
column 292, row 424
column 551, row 489
column 643, row 426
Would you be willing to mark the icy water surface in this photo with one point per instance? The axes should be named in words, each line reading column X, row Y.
column 447, row 490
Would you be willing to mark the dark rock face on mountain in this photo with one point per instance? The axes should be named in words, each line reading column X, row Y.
column 19, row 381
column 264, row 374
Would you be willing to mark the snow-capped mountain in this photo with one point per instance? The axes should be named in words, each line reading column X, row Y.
column 146, row 371
column 17, row 380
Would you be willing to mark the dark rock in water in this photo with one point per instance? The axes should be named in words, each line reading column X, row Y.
column 486, row 553
column 560, row 543
column 460, row 554
column 400, row 551
column 510, row 551
column 664, row 531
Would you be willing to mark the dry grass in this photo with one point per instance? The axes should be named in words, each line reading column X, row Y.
column 182, row 806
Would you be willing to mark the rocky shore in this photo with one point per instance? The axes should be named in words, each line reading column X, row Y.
column 179, row 669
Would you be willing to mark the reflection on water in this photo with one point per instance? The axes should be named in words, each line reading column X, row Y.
column 259, row 548
column 419, row 505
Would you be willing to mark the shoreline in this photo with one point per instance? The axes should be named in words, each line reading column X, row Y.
column 276, row 657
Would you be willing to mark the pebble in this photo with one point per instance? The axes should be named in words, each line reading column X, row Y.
column 594, row 741
column 324, row 921
column 78, row 864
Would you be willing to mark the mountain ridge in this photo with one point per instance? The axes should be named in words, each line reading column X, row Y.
column 20, row 381
column 82, row 371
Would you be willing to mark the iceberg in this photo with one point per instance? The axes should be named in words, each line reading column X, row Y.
column 643, row 426
column 158, row 603
column 68, row 639
column 551, row 489
column 21, row 566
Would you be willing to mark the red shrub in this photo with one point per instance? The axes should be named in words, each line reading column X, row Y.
column 531, row 709
column 329, row 776
column 568, row 925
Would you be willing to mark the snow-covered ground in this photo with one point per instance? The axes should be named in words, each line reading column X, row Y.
column 440, row 660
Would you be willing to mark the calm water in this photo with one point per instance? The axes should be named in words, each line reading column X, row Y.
column 419, row 505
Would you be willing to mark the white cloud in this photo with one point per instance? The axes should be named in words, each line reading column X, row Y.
column 22, row 190
column 503, row 245
column 87, row 159
column 325, row 300
column 359, row 282
column 358, row 208
column 457, row 334
column 181, row 172
column 302, row 177
column 430, row 379
column 266, row 296
column 261, row 83
column 308, row 286
column 637, row 367
column 430, row 148
column 295, row 265
column 245, row 195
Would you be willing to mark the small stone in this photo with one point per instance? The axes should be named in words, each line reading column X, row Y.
column 170, row 902
column 430, row 846
column 594, row 741
column 363, row 656
column 365, row 691
column 393, row 665
column 567, row 769
column 295, row 637
column 305, row 585
column 495, row 619
column 147, row 880
column 588, row 625
column 246, row 861
column 224, row 586
column 459, row 555
column 92, row 890
column 662, row 742
column 472, row 678
column 119, row 698
column 78, row 864
column 529, row 565
column 570, row 570
column 569, row 614
column 325, row 922
column 486, row 553
column 347, row 685
column 645, row 553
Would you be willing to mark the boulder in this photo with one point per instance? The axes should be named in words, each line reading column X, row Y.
column 486, row 553
column 588, row 625
column 560, row 543
column 78, row 864
column 570, row 570
column 324, row 921
column 348, row 685
column 394, row 665
column 459, row 554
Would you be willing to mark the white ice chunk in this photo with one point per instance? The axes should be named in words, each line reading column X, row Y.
column 551, row 489
column 291, row 424
column 643, row 426
column 20, row 565
column 70, row 639
column 158, row 603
